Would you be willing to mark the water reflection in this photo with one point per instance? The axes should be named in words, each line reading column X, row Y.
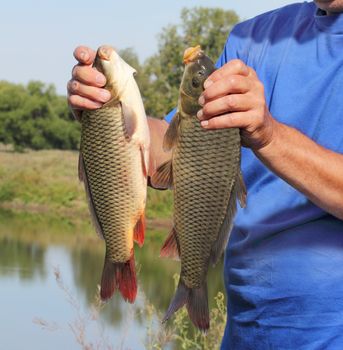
column 25, row 260
column 29, row 248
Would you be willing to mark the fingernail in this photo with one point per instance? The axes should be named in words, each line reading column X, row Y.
column 105, row 95
column 84, row 56
column 100, row 79
column 200, row 114
column 204, row 123
column 201, row 100
column 207, row 83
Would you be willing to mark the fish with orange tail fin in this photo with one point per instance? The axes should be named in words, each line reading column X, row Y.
column 113, row 165
column 205, row 176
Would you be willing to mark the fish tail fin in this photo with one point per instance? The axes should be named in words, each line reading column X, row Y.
column 196, row 301
column 139, row 230
column 120, row 276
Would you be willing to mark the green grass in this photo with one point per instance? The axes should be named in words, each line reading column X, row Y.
column 47, row 182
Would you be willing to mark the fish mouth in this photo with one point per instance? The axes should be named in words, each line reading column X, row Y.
column 192, row 54
column 105, row 52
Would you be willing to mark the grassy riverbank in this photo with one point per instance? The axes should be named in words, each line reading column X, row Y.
column 46, row 183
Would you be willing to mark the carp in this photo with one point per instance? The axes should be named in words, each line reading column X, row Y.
column 205, row 176
column 113, row 164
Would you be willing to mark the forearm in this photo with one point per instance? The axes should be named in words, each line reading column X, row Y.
column 157, row 128
column 313, row 170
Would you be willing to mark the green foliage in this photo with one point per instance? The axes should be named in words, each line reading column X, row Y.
column 181, row 332
column 208, row 27
column 36, row 117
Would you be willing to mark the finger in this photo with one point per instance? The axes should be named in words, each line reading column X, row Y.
column 88, row 75
column 93, row 93
column 230, row 120
column 79, row 102
column 234, row 67
column 84, row 55
column 229, row 103
column 231, row 84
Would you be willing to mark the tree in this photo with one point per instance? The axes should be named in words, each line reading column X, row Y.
column 35, row 117
column 208, row 27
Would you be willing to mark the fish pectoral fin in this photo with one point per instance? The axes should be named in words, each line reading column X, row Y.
column 94, row 217
column 139, row 230
column 163, row 177
column 171, row 135
column 241, row 191
column 145, row 160
column 130, row 120
column 171, row 248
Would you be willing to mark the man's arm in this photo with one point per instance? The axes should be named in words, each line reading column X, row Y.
column 234, row 97
column 85, row 91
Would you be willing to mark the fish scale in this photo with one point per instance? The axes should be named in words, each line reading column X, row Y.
column 107, row 156
column 202, row 171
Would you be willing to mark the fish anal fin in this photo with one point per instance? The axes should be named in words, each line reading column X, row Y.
column 92, row 211
column 139, row 230
column 171, row 135
column 170, row 247
column 163, row 176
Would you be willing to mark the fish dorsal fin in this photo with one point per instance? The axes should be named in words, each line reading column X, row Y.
column 172, row 133
column 238, row 192
column 242, row 191
column 163, row 177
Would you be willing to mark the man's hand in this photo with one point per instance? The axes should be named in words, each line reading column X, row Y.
column 85, row 89
column 234, row 97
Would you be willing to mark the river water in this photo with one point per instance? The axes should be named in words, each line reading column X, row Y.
column 49, row 272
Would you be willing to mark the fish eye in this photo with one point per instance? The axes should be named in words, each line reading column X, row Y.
column 201, row 73
column 195, row 82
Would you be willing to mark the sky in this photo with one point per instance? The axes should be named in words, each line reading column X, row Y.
column 38, row 37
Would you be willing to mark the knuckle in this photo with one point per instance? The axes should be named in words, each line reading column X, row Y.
column 73, row 86
column 206, row 110
column 75, row 71
column 238, row 64
column 232, row 81
column 230, row 102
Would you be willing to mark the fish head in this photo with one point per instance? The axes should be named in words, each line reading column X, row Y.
column 198, row 67
column 114, row 68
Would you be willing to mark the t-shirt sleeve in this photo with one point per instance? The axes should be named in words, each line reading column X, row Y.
column 230, row 52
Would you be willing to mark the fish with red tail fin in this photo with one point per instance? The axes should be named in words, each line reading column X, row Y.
column 113, row 165
column 205, row 176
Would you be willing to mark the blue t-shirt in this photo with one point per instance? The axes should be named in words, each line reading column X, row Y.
column 284, row 261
